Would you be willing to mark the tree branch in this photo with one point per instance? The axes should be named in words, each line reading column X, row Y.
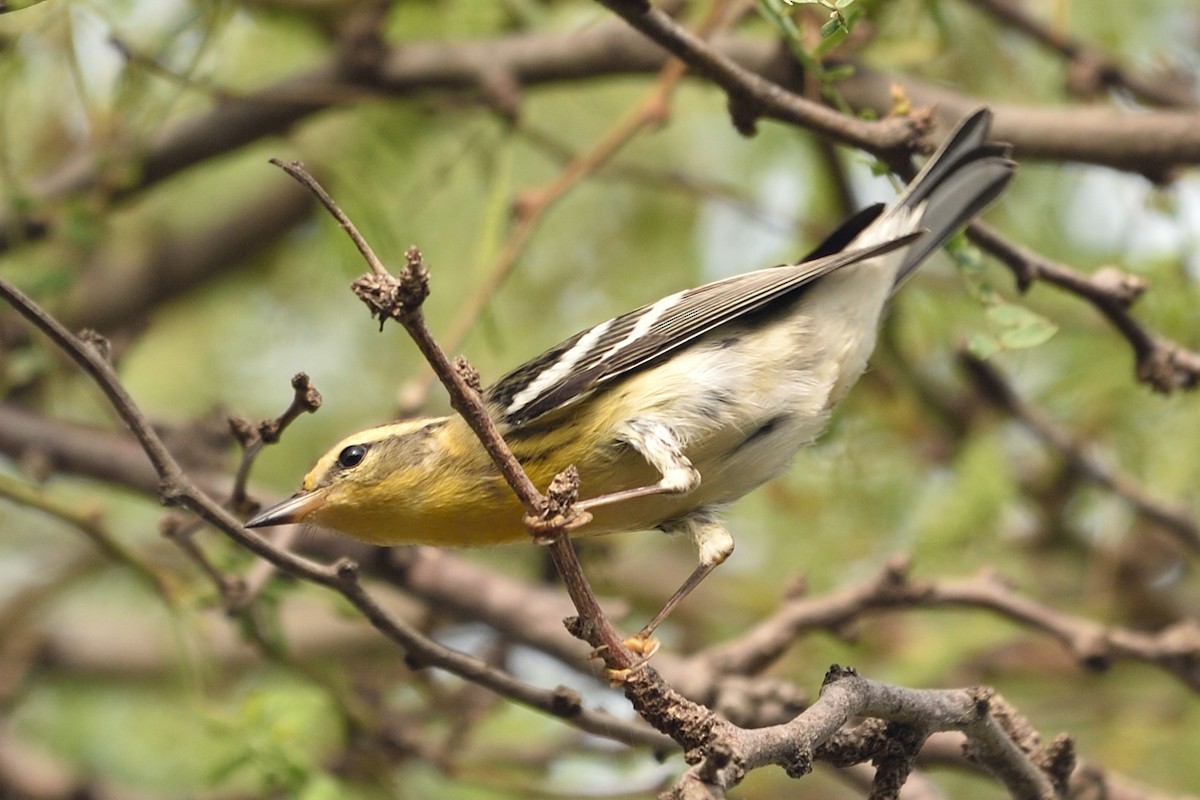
column 1175, row 649
column 1174, row 517
column 1161, row 363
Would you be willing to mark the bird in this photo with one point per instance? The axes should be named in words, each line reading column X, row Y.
column 672, row 411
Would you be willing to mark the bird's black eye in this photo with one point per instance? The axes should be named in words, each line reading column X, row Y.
column 352, row 456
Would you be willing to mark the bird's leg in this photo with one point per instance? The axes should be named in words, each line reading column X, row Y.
column 714, row 543
column 659, row 445
column 662, row 450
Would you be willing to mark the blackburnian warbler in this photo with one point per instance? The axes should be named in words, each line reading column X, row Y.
column 672, row 411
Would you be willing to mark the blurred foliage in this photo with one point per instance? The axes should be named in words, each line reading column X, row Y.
column 687, row 203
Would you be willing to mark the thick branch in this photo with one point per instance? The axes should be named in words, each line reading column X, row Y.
column 1151, row 143
column 999, row 739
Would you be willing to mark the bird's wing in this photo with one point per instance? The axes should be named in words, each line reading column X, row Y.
column 633, row 341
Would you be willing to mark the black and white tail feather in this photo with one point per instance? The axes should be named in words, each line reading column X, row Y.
column 964, row 176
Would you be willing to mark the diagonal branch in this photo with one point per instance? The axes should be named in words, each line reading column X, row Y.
column 1093, row 69
column 1172, row 516
column 751, row 96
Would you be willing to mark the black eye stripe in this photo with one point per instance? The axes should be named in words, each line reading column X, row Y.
column 351, row 456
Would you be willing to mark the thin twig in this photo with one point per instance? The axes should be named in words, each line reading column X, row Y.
column 254, row 436
column 1093, row 70
column 1175, row 649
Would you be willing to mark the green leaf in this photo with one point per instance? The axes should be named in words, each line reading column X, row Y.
column 1019, row 327
column 840, row 72
column 1032, row 335
column 982, row 346
column 973, row 269
column 1007, row 315
column 322, row 786
column 832, row 40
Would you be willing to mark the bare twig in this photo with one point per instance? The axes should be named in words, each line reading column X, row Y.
column 1093, row 70
column 238, row 592
column 253, row 437
column 1175, row 649
column 180, row 530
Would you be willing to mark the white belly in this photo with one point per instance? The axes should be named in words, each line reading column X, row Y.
column 743, row 400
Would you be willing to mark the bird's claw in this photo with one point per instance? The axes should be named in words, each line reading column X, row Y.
column 642, row 646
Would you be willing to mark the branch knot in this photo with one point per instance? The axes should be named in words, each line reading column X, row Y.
column 397, row 298
column 381, row 295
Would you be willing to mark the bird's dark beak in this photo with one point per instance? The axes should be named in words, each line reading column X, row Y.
column 295, row 509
